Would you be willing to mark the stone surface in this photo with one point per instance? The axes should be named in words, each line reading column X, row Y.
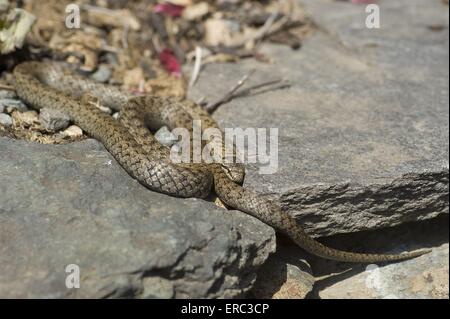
column 73, row 204
column 53, row 120
column 363, row 131
column 102, row 74
column 424, row 277
column 285, row 275
column 11, row 105
column 7, row 94
column 5, row 120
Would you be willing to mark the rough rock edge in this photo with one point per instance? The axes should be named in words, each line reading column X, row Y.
column 410, row 197
column 132, row 285
column 233, row 275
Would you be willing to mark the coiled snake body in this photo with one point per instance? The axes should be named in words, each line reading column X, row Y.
column 144, row 158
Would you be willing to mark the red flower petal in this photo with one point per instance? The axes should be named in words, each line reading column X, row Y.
column 170, row 62
column 169, row 9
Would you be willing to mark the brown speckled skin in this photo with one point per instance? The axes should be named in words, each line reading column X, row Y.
column 135, row 148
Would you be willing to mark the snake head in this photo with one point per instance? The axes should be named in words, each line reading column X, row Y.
column 234, row 171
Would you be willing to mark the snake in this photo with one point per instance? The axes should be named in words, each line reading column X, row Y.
column 130, row 141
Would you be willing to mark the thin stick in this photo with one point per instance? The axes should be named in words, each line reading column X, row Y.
column 7, row 87
column 266, row 27
column 197, row 66
column 270, row 27
column 229, row 95
column 252, row 90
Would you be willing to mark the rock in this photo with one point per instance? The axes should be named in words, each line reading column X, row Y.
column 5, row 120
column 73, row 131
column 165, row 137
column 423, row 277
column 7, row 94
column 285, row 275
column 53, row 120
column 387, row 280
column 363, row 130
column 102, row 74
column 11, row 105
column 78, row 206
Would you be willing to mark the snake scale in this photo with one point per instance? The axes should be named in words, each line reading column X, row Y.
column 129, row 140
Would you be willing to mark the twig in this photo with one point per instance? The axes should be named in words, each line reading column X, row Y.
column 267, row 25
column 229, row 95
column 253, row 90
column 7, row 87
column 197, row 66
column 270, row 27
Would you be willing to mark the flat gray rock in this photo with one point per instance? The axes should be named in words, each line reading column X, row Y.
column 53, row 120
column 73, row 204
column 363, row 131
column 422, row 277
column 425, row 277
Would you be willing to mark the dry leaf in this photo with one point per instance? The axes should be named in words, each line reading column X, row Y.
column 14, row 26
column 113, row 18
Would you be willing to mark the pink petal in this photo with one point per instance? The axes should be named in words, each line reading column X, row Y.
column 169, row 9
column 170, row 62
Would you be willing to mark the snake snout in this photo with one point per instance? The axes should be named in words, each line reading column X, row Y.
column 235, row 172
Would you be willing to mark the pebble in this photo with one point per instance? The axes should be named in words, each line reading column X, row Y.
column 7, row 94
column 54, row 120
column 102, row 74
column 73, row 131
column 165, row 137
column 5, row 120
column 11, row 105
